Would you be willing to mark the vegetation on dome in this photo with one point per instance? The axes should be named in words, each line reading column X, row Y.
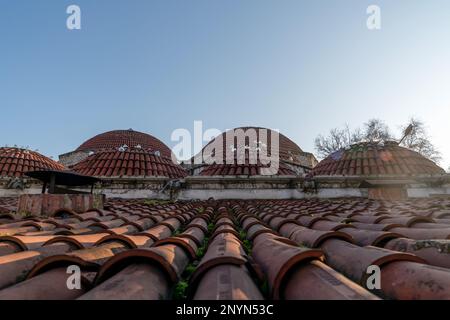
column 375, row 131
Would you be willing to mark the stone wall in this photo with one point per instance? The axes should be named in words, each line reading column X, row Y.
column 72, row 158
column 257, row 187
column 309, row 160
column 26, row 186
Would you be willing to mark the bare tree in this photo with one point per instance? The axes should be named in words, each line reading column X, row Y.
column 417, row 139
column 336, row 139
column 376, row 130
column 373, row 130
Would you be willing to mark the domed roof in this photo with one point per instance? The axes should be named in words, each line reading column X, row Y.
column 243, row 170
column 130, row 162
column 130, row 138
column 288, row 152
column 376, row 159
column 14, row 162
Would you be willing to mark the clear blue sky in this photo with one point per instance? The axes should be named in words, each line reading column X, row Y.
column 156, row 65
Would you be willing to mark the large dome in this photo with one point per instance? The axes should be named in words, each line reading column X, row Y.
column 15, row 162
column 130, row 162
column 130, row 138
column 376, row 159
column 290, row 154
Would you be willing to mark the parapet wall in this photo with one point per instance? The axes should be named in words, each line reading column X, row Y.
column 259, row 187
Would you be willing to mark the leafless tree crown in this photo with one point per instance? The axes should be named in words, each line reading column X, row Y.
column 376, row 130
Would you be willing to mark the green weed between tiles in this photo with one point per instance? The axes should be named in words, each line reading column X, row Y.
column 202, row 250
column 180, row 290
column 200, row 209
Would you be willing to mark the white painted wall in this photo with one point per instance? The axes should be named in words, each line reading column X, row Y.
column 256, row 188
column 243, row 194
column 428, row 192
column 342, row 192
column 133, row 194
column 16, row 193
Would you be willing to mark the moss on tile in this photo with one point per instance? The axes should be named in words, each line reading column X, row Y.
column 442, row 246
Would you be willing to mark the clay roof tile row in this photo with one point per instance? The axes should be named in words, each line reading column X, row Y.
column 129, row 163
column 303, row 249
column 14, row 162
column 366, row 159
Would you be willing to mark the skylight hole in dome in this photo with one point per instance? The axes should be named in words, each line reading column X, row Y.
column 123, row 148
column 261, row 144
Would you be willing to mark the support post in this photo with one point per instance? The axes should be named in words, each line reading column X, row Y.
column 52, row 184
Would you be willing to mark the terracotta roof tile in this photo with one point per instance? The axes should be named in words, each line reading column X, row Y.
column 376, row 159
column 289, row 153
column 118, row 138
column 243, row 169
column 119, row 166
column 15, row 162
column 315, row 280
column 245, row 244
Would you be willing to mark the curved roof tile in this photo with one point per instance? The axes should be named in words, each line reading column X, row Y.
column 364, row 159
column 119, row 138
column 288, row 150
column 229, row 265
column 15, row 162
column 128, row 163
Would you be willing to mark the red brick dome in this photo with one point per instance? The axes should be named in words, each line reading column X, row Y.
column 131, row 162
column 242, row 170
column 289, row 152
column 15, row 162
column 130, row 138
column 376, row 159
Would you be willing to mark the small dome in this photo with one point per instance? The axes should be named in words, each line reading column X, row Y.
column 289, row 153
column 129, row 138
column 368, row 159
column 15, row 162
column 129, row 162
